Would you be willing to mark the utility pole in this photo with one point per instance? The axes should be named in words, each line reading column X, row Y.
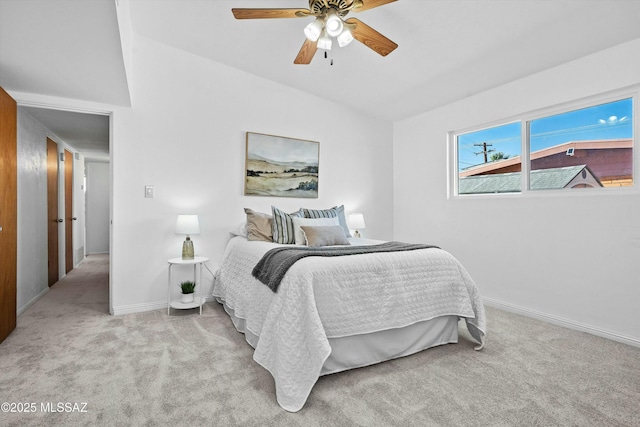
column 484, row 151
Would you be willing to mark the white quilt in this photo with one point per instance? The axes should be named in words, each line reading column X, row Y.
column 322, row 298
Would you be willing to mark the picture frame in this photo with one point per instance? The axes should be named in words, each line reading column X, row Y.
column 279, row 166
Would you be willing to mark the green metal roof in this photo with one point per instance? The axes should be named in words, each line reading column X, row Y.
column 541, row 179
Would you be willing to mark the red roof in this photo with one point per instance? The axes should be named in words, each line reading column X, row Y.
column 492, row 167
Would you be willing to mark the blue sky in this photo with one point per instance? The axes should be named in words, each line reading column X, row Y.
column 607, row 121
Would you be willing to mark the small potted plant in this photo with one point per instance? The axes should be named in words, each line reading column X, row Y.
column 188, row 288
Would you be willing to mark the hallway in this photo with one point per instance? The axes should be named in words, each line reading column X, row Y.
column 85, row 288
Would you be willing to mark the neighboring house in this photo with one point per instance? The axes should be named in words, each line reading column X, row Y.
column 541, row 179
column 609, row 161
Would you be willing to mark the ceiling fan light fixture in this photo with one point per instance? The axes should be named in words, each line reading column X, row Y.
column 329, row 22
column 333, row 23
column 324, row 42
column 344, row 38
column 314, row 30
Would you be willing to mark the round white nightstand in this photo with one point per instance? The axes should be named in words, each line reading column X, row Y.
column 198, row 299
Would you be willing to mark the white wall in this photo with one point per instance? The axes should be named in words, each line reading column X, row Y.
column 32, row 211
column 570, row 259
column 97, row 207
column 185, row 135
column 79, row 209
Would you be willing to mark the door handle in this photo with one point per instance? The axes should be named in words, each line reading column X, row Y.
column 74, row 218
column 59, row 220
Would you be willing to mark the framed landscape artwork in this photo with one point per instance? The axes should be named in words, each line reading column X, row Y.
column 281, row 167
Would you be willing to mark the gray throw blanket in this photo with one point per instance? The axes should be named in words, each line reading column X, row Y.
column 271, row 269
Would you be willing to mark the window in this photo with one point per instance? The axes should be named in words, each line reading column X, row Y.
column 489, row 160
column 587, row 147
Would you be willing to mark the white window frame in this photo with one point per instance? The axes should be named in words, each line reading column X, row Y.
column 525, row 119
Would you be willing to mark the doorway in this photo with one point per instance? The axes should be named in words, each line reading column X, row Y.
column 73, row 138
column 68, row 212
column 8, row 214
column 53, row 219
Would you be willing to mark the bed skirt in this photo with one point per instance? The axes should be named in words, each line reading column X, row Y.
column 357, row 351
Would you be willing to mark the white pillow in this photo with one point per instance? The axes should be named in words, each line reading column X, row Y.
column 240, row 229
column 311, row 222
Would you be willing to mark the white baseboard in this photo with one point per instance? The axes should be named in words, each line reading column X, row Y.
column 570, row 324
column 139, row 308
column 32, row 301
column 147, row 306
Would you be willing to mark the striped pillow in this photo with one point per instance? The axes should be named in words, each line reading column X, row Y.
column 337, row 211
column 283, row 230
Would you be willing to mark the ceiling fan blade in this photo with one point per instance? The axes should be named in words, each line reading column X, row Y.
column 370, row 4
column 307, row 52
column 270, row 13
column 371, row 38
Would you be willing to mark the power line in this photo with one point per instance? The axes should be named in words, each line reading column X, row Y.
column 468, row 141
column 484, row 151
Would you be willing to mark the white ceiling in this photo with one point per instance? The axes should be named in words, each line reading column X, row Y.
column 87, row 133
column 63, row 48
column 67, row 49
column 448, row 49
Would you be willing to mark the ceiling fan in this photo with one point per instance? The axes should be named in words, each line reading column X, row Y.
column 329, row 23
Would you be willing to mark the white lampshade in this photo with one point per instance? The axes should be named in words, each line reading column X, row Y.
column 333, row 23
column 187, row 224
column 356, row 221
column 344, row 38
column 324, row 42
column 313, row 30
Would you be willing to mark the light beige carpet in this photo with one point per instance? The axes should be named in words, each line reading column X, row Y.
column 187, row 369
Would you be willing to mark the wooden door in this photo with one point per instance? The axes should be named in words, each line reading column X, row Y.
column 52, row 210
column 8, row 213
column 68, row 210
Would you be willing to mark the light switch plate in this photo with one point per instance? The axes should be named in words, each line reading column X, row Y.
column 148, row 191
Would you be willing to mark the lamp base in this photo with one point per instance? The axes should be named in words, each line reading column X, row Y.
column 356, row 234
column 187, row 249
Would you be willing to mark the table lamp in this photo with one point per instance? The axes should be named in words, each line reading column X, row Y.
column 356, row 221
column 187, row 224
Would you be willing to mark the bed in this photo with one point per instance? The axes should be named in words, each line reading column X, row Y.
column 337, row 313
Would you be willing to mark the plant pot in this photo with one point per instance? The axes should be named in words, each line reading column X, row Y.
column 187, row 298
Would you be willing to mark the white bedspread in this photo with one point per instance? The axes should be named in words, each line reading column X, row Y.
column 322, row 298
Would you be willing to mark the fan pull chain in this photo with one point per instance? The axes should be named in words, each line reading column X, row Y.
column 327, row 57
